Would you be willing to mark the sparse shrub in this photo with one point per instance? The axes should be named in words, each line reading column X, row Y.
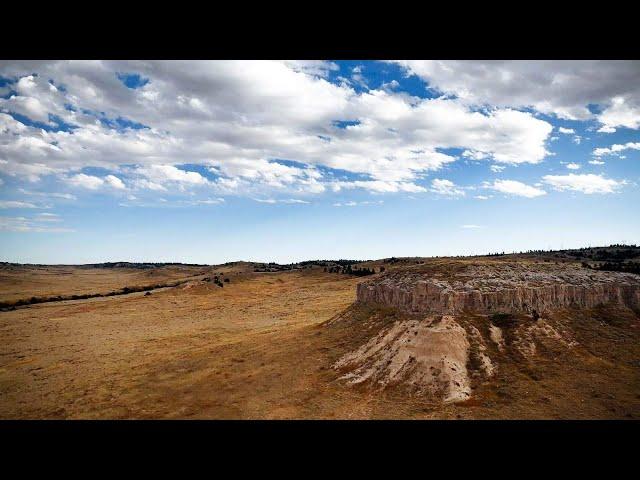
column 502, row 320
column 226, row 280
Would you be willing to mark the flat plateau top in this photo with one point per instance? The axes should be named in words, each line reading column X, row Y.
column 498, row 275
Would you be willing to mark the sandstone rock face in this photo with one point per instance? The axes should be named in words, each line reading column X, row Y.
column 501, row 287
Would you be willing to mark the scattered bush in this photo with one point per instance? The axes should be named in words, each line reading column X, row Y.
column 503, row 320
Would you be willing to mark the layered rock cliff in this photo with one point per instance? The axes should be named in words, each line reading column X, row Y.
column 501, row 287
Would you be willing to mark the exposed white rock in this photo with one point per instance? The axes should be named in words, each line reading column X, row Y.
column 479, row 351
column 495, row 333
column 429, row 356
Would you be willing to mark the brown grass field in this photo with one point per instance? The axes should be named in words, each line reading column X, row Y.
column 261, row 348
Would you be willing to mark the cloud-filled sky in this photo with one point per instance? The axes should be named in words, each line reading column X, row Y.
column 213, row 161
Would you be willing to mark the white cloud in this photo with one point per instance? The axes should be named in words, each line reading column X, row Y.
column 208, row 201
column 236, row 117
column 573, row 166
column 65, row 196
column 563, row 88
column 616, row 149
column 16, row 204
column 86, row 181
column 586, row 183
column 114, row 182
column 483, row 197
column 91, row 182
column 596, row 162
column 497, row 168
column 475, row 155
column 446, row 187
column 47, row 217
column 318, row 68
column 623, row 112
column 286, row 200
column 160, row 174
column 393, row 84
column 357, row 204
column 513, row 187
column 379, row 186
column 22, row 224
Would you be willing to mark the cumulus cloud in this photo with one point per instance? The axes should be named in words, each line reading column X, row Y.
column 562, row 88
column 573, row 166
column 623, row 112
column 319, row 68
column 446, row 187
column 587, row 183
column 160, row 174
column 616, row 149
column 237, row 117
column 596, row 162
column 270, row 128
column 86, row 181
column 114, row 182
column 91, row 182
column 513, row 187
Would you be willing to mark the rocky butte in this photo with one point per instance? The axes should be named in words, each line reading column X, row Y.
column 453, row 336
column 500, row 287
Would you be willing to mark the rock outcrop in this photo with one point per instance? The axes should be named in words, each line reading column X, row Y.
column 501, row 287
column 429, row 357
column 436, row 350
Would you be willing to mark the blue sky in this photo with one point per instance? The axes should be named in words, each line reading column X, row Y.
column 217, row 161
